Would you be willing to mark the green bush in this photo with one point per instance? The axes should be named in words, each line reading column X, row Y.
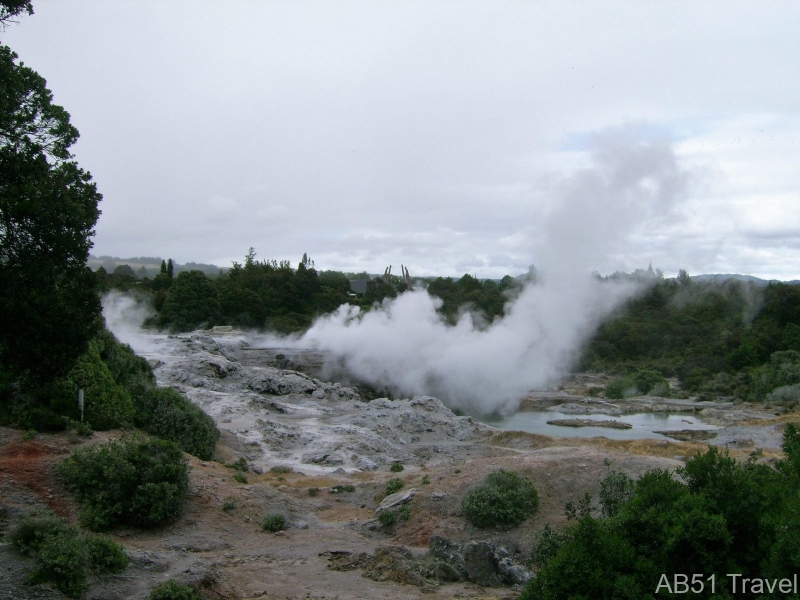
column 387, row 518
column 167, row 414
column 620, row 388
column 396, row 468
column 107, row 405
column 504, row 498
column 64, row 556
column 105, row 555
column 134, row 481
column 240, row 477
column 274, row 523
column 393, row 486
column 30, row 534
column 170, row 590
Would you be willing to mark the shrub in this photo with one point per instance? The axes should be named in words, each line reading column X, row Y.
column 396, row 468
column 228, row 505
column 387, row 518
column 619, row 388
column 167, row 414
column 30, row 534
column 105, row 555
column 549, row 543
column 313, row 491
column 504, row 498
column 107, row 405
column 393, row 486
column 274, row 523
column 425, row 480
column 789, row 394
column 239, row 465
column 240, row 477
column 280, row 470
column 170, row 590
column 64, row 556
column 134, row 481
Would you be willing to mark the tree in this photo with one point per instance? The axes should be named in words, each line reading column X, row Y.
column 170, row 269
column 9, row 9
column 192, row 301
column 49, row 307
column 163, row 266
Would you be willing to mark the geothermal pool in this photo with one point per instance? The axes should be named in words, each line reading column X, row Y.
column 644, row 425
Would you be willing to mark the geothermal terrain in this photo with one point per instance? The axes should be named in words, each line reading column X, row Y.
column 319, row 449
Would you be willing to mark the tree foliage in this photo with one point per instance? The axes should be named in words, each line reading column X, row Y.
column 718, row 516
column 48, row 208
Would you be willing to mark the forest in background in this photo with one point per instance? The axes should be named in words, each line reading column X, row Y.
column 732, row 338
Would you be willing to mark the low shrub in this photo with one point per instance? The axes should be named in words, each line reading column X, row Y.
column 165, row 413
column 134, row 481
column 387, row 518
column 393, row 486
column 396, row 468
column 280, row 470
column 170, row 590
column 788, row 394
column 64, row 556
column 274, row 523
column 240, row 477
column 504, row 498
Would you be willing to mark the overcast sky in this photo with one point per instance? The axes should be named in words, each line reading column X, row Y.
column 452, row 137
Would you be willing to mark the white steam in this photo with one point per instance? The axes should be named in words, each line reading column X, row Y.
column 633, row 183
column 124, row 315
column 407, row 346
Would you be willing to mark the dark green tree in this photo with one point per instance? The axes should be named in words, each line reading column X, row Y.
column 10, row 9
column 49, row 306
column 192, row 302
column 163, row 266
column 170, row 269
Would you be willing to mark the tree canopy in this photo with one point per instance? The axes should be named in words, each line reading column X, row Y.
column 48, row 208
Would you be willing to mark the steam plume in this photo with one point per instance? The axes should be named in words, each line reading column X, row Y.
column 406, row 346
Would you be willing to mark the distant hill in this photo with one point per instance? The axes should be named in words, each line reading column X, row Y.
column 148, row 266
column 720, row 277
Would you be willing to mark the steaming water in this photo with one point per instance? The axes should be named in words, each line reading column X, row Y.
column 644, row 425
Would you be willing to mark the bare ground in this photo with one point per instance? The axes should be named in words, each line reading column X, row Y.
column 229, row 556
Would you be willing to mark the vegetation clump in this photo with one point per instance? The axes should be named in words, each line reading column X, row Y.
column 397, row 468
column 134, row 481
column 393, row 486
column 504, row 498
column 171, row 590
column 274, row 523
column 165, row 413
column 719, row 516
column 64, row 556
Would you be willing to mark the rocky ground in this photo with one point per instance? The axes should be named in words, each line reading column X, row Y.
column 321, row 455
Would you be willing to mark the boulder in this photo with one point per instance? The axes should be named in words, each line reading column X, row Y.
column 395, row 500
column 490, row 565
